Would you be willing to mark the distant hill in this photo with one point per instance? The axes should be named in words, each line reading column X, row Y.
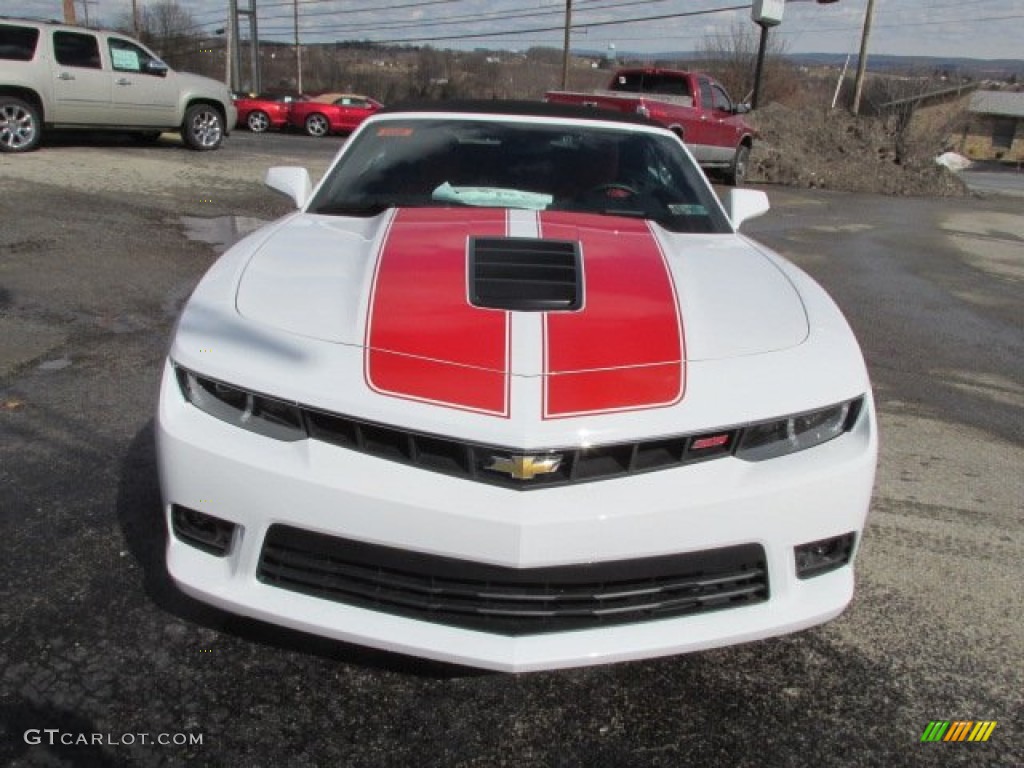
column 976, row 68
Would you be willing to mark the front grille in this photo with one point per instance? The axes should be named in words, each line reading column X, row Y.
column 478, row 462
column 511, row 467
column 510, row 601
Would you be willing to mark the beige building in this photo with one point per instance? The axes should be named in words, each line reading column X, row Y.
column 995, row 127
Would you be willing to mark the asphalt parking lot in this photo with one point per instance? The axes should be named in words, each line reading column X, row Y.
column 102, row 660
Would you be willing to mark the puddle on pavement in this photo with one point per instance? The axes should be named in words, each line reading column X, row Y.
column 221, row 231
column 55, row 365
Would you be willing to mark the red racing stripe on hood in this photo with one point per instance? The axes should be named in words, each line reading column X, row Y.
column 424, row 341
column 624, row 349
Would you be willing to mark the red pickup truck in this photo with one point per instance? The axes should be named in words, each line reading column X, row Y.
column 692, row 104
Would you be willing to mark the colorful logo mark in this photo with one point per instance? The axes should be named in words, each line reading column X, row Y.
column 958, row 730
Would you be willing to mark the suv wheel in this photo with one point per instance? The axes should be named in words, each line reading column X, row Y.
column 317, row 125
column 20, row 128
column 203, row 127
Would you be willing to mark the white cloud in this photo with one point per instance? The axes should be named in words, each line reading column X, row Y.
column 969, row 28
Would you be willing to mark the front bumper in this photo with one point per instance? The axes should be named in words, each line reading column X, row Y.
column 255, row 483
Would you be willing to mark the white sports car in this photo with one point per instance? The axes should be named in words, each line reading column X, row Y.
column 509, row 390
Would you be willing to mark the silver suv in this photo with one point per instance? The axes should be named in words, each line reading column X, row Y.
column 58, row 76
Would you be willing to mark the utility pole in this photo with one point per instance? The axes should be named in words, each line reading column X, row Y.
column 135, row 18
column 229, row 55
column 863, row 60
column 565, row 45
column 235, row 46
column 759, row 68
column 298, row 49
column 234, row 49
column 69, row 12
column 764, row 13
column 254, row 47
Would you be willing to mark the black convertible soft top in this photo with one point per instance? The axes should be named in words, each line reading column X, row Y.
column 520, row 108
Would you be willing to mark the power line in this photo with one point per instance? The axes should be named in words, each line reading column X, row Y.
column 532, row 30
column 474, row 17
column 516, row 35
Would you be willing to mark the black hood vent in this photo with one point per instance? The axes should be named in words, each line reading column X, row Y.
column 525, row 274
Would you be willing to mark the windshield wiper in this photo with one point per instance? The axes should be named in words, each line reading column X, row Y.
column 361, row 210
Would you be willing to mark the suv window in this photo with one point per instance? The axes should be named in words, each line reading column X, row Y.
column 705, row 93
column 722, row 100
column 128, row 57
column 74, row 49
column 18, row 43
column 649, row 82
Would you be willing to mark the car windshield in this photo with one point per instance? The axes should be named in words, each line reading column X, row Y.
column 430, row 162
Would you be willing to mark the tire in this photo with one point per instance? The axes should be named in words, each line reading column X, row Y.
column 21, row 130
column 737, row 172
column 258, row 121
column 317, row 125
column 203, row 128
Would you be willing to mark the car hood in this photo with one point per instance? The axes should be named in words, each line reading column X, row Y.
column 205, row 85
column 406, row 287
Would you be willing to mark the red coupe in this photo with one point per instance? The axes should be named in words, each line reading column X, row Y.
column 332, row 113
column 261, row 112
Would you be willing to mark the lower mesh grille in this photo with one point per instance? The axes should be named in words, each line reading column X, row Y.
column 511, row 601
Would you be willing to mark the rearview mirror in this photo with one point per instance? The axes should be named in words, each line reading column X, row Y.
column 290, row 181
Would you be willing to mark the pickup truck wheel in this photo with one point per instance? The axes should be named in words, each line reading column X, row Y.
column 258, row 121
column 20, row 127
column 203, row 127
column 738, row 170
column 317, row 125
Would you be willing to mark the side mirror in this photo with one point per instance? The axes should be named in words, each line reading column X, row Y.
column 741, row 109
column 744, row 204
column 157, row 68
column 291, row 182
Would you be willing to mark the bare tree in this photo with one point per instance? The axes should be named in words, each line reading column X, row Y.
column 898, row 100
column 170, row 30
column 731, row 57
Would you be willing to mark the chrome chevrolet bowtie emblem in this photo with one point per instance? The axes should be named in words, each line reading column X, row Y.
column 525, row 467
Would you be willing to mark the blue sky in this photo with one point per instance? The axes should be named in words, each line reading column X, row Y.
column 971, row 28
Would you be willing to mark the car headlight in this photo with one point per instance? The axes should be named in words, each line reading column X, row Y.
column 771, row 439
column 256, row 413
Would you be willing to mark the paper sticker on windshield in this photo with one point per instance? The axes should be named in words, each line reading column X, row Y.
column 492, row 197
column 687, row 209
column 395, row 132
column 125, row 59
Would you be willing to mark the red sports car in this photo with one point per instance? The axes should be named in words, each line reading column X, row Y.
column 332, row 113
column 261, row 112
